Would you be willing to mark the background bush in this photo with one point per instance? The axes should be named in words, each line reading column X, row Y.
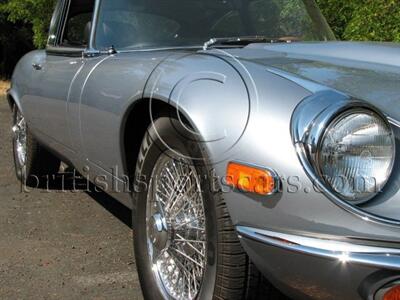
column 35, row 13
column 24, row 24
column 363, row 20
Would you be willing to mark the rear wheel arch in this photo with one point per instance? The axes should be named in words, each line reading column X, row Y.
column 11, row 101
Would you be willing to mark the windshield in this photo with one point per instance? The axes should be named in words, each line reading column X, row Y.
column 131, row 24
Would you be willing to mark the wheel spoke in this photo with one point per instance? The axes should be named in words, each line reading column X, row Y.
column 161, row 193
column 189, row 241
column 187, row 257
column 189, row 244
column 177, row 196
column 179, row 210
column 180, row 263
column 189, row 227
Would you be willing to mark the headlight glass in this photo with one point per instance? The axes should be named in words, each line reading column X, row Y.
column 356, row 155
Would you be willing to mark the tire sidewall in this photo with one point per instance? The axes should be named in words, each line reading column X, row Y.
column 165, row 129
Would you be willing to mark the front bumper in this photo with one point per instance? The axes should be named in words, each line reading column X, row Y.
column 321, row 268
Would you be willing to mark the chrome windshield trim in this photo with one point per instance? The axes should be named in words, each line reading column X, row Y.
column 343, row 252
column 167, row 48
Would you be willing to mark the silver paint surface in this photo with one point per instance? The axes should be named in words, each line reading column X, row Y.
column 241, row 102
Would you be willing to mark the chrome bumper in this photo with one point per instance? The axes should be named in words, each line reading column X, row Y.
column 320, row 267
column 344, row 252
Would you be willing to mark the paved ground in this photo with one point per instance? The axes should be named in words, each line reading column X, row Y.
column 4, row 85
column 61, row 245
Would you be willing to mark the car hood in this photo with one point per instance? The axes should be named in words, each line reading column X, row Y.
column 367, row 71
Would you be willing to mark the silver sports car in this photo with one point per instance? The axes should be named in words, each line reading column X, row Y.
column 258, row 154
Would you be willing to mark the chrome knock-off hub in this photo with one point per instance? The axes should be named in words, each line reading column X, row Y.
column 158, row 232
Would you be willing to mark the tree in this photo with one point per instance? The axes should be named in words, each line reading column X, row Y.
column 338, row 14
column 37, row 13
column 375, row 20
column 363, row 20
column 15, row 41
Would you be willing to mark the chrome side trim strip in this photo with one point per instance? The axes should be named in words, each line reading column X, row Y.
column 343, row 252
column 393, row 122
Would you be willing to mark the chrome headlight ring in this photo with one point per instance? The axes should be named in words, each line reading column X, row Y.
column 311, row 121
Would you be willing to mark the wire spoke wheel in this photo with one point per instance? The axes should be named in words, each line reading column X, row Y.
column 186, row 246
column 176, row 233
column 19, row 130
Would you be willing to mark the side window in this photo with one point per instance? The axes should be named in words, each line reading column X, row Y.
column 78, row 24
column 55, row 23
column 131, row 28
column 228, row 25
column 77, row 30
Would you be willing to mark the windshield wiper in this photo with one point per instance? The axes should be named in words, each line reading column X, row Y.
column 245, row 40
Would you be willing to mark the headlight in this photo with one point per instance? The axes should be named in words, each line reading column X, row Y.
column 356, row 154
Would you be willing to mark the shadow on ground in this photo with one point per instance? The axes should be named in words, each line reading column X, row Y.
column 58, row 244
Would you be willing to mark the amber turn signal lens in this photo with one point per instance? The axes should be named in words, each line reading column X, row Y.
column 250, row 179
column 393, row 293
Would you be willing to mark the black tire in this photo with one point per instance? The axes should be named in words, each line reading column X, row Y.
column 229, row 273
column 39, row 161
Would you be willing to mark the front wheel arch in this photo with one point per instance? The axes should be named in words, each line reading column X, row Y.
column 134, row 126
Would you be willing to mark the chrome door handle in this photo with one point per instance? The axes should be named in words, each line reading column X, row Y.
column 37, row 67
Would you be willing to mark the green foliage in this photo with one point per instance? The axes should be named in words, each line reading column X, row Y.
column 295, row 19
column 37, row 13
column 375, row 20
column 338, row 13
column 15, row 41
column 363, row 20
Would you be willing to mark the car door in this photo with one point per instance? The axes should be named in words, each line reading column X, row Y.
column 57, row 69
column 105, row 90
